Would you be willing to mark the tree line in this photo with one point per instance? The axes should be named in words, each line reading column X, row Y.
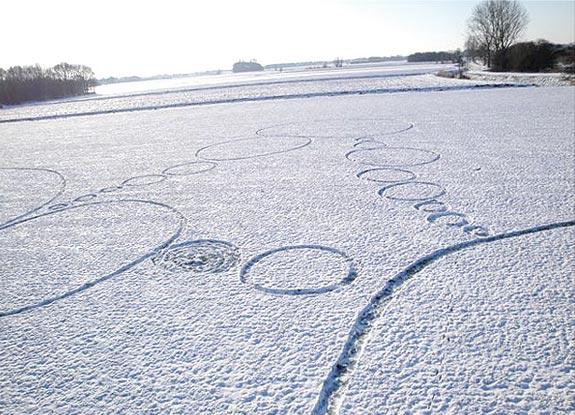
column 250, row 66
column 538, row 56
column 20, row 84
column 434, row 57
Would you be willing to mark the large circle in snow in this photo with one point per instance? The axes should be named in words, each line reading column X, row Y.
column 190, row 168
column 412, row 191
column 393, row 156
column 386, row 175
column 338, row 128
column 247, row 148
column 144, row 180
column 61, row 253
column 299, row 270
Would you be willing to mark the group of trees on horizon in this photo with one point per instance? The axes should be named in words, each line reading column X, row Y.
column 537, row 56
column 250, row 66
column 434, row 56
column 493, row 29
column 20, row 84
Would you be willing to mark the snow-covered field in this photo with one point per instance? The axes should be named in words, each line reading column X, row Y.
column 264, row 86
column 539, row 79
column 365, row 253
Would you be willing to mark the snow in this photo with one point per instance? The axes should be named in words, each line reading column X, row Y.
column 378, row 253
column 297, row 73
column 539, row 79
column 464, row 343
column 249, row 87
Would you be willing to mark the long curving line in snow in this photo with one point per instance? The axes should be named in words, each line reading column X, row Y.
column 333, row 389
column 152, row 253
column 58, row 193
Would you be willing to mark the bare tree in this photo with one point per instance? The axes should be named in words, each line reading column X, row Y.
column 473, row 48
column 480, row 30
column 495, row 25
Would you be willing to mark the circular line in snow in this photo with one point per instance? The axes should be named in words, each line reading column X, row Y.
column 253, row 147
column 386, row 175
column 85, row 198
column 144, row 180
column 463, row 219
column 248, row 268
column 392, row 156
column 329, row 128
column 201, row 256
column 431, row 205
column 110, row 189
column 187, row 169
column 59, row 206
column 368, row 143
column 412, row 191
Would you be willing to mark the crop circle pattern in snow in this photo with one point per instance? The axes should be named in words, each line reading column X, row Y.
column 248, row 148
column 110, row 189
column 431, row 206
column 386, row 175
column 393, row 156
column 337, row 128
column 59, row 206
column 367, row 142
column 85, row 198
column 187, row 169
column 412, row 191
column 145, row 180
column 283, row 270
column 202, row 256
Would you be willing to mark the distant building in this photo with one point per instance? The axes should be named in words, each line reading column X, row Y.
column 250, row 66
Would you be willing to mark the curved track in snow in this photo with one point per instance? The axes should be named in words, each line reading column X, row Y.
column 334, row 386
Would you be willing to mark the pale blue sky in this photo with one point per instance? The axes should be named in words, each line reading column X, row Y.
column 121, row 37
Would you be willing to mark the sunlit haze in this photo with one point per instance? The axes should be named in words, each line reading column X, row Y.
column 121, row 38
